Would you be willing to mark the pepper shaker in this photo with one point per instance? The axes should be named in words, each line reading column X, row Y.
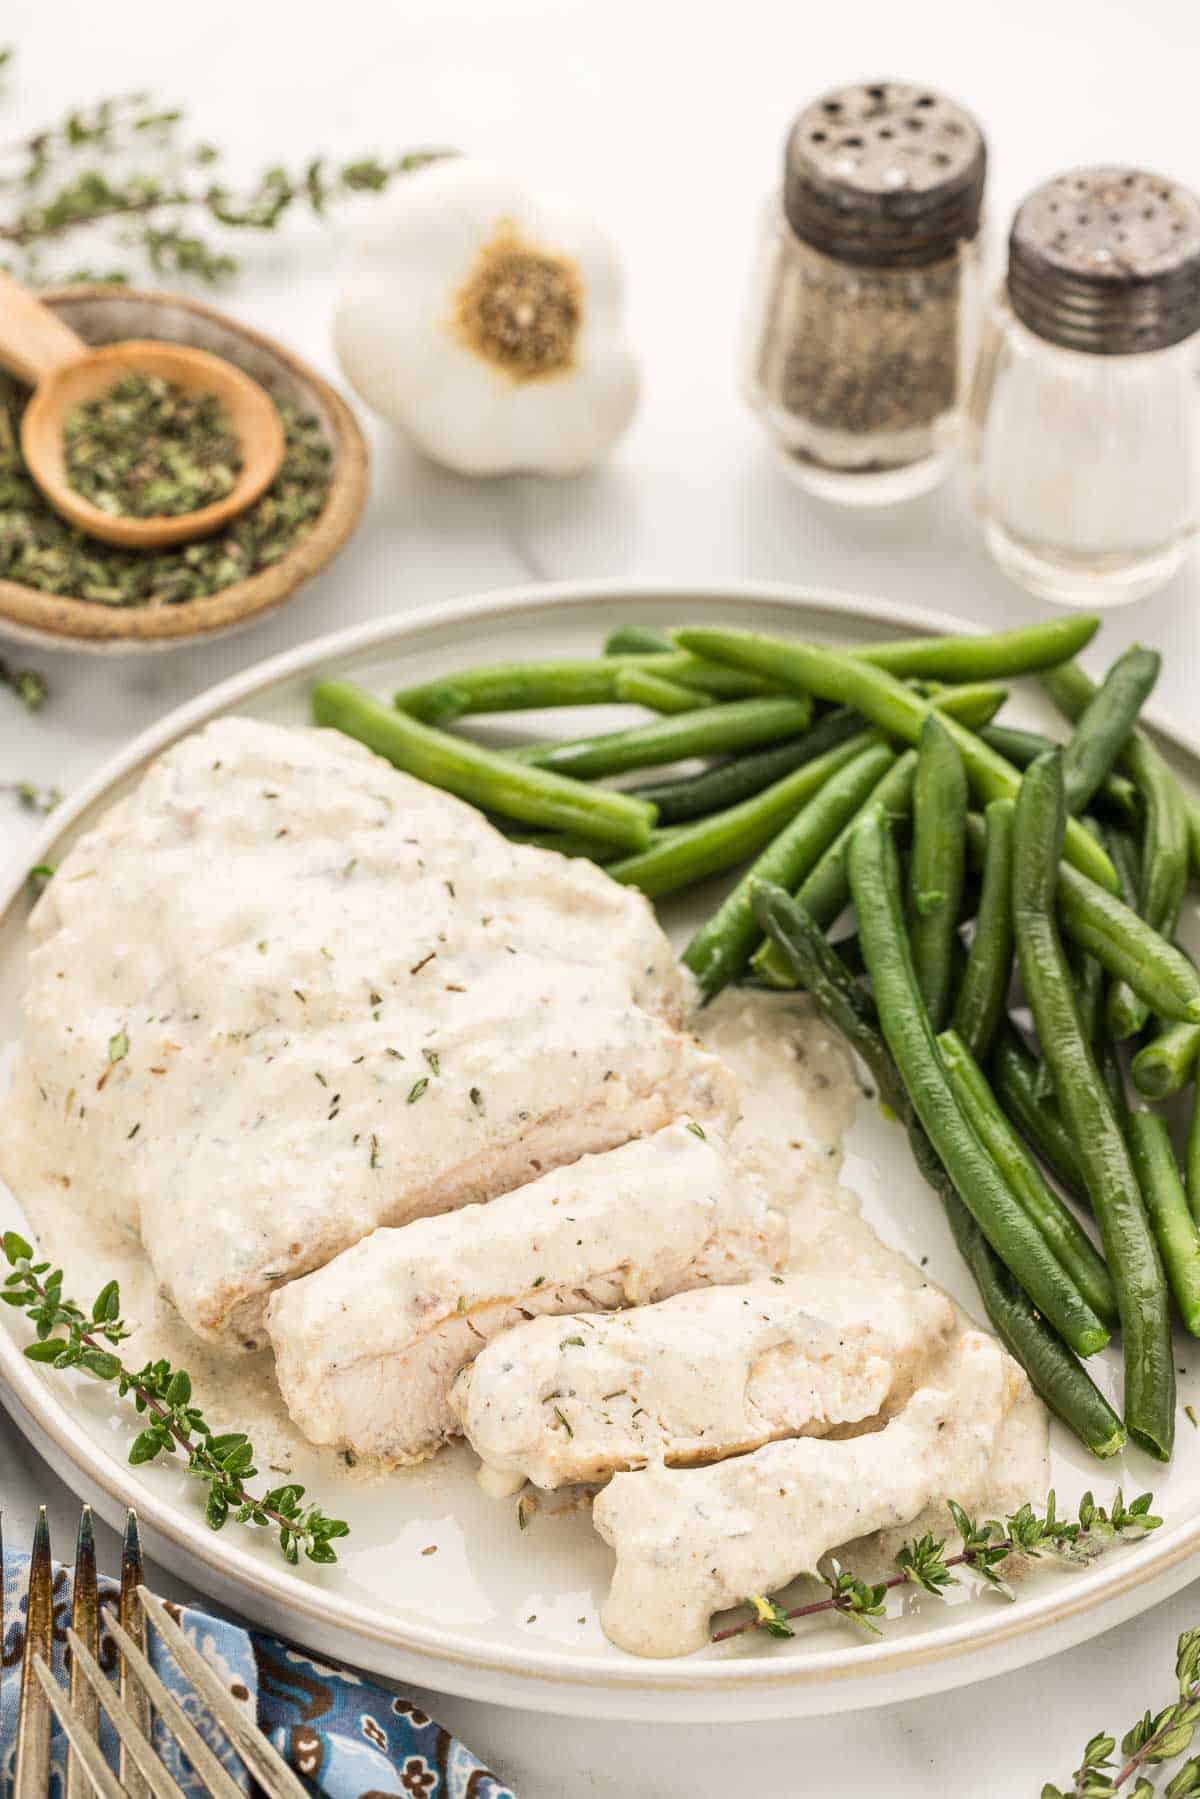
column 865, row 313
column 1085, row 418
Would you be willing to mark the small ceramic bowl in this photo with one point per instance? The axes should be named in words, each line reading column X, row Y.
column 103, row 315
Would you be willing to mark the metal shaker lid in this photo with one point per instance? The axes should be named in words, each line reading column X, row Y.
column 889, row 175
column 1107, row 260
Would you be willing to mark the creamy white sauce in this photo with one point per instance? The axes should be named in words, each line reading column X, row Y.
column 80, row 1182
column 283, row 994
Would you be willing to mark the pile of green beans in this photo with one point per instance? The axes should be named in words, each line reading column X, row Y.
column 803, row 769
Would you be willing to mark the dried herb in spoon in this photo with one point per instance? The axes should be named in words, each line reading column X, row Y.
column 149, row 448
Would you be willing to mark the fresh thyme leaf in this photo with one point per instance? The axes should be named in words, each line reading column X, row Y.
column 695, row 1129
column 431, row 1056
column 563, row 1420
column 118, row 1046
column 418, row 1087
column 769, row 1615
column 69, row 1337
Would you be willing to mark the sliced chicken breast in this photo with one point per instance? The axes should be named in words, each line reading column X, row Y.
column 691, row 1541
column 367, row 1347
column 707, row 1374
column 284, row 994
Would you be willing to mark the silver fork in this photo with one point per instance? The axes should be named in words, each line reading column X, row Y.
column 129, row 1703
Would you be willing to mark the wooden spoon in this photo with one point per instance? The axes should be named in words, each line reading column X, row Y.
column 64, row 372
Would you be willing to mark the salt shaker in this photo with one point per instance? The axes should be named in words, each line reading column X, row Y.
column 1085, row 418
column 866, row 307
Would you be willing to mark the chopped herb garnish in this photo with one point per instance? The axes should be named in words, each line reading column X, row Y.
column 118, row 1046
column 418, row 1087
column 577, row 1341
column 431, row 1056
column 477, row 1099
column 695, row 1129
column 374, row 1150
column 563, row 1420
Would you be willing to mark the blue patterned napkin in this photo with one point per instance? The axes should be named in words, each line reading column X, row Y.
column 346, row 1738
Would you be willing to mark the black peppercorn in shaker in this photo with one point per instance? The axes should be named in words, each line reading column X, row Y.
column 866, row 310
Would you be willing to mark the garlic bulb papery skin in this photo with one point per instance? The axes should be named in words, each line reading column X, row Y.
column 485, row 321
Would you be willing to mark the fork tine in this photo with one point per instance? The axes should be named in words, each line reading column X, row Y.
column 133, row 1619
column 260, row 1756
column 33, row 1719
column 205, row 1765
column 85, row 1621
column 125, row 1723
column 84, row 1749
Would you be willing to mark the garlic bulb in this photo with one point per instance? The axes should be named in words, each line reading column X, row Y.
column 485, row 321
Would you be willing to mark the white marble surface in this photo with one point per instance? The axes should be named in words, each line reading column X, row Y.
column 667, row 119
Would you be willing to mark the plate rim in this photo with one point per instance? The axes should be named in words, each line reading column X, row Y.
column 444, row 1650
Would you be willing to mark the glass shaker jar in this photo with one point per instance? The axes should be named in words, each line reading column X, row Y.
column 864, row 320
column 1085, row 418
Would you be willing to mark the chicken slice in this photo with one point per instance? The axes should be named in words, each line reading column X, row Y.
column 707, row 1374
column 284, row 994
column 368, row 1346
column 691, row 1541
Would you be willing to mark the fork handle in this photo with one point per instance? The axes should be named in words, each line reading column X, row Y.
column 34, row 342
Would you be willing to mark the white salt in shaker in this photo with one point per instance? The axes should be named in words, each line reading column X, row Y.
column 1085, row 416
column 865, row 314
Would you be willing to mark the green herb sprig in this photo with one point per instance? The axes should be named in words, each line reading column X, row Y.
column 25, row 683
column 67, row 1337
column 1154, row 1739
column 986, row 1548
column 127, row 162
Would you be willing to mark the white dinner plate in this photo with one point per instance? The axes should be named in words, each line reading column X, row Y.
column 435, row 1583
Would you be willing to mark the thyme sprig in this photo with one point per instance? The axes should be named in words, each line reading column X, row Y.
column 1154, row 1739
column 986, row 1547
column 68, row 1337
column 128, row 162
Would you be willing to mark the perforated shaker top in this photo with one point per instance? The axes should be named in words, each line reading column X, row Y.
column 1107, row 260
column 887, row 174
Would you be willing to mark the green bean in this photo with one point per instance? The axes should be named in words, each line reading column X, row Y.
column 1014, row 1075
column 720, row 949
column 710, row 846
column 979, row 1003
column 568, row 843
column 825, row 892
column 1116, row 793
column 711, row 731
column 1104, row 725
column 727, row 783
column 1167, row 1063
column 637, row 640
column 986, row 658
column 1174, row 1227
column 1164, row 875
column 1125, row 857
column 1087, row 1111
column 938, row 858
column 1192, row 1161
column 1056, row 1374
column 874, row 883
column 1127, row 947
column 1057, row 1223
column 899, row 712
column 1089, row 983
column 638, row 687
column 1165, row 848
column 478, row 775
column 581, row 681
